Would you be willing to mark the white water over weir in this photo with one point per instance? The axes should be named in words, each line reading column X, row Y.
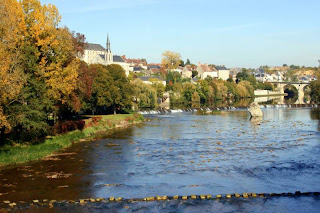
column 209, row 109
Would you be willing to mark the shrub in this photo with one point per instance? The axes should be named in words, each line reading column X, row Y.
column 67, row 126
column 96, row 120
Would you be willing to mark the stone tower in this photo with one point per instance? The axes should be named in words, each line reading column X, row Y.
column 108, row 54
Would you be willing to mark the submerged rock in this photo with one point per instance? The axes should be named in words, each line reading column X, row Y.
column 254, row 110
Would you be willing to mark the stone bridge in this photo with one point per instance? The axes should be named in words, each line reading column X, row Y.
column 298, row 85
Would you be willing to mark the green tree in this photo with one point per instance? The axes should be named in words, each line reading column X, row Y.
column 194, row 73
column 160, row 89
column 104, row 90
column 246, row 76
column 188, row 90
column 315, row 91
column 188, row 62
column 122, row 95
column 144, row 95
column 182, row 63
column 230, row 79
column 28, row 111
column 173, row 77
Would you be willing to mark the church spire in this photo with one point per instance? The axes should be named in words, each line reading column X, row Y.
column 108, row 54
column 108, row 44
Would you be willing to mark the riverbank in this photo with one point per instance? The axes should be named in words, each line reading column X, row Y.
column 22, row 153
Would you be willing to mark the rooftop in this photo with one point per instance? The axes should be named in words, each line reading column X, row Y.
column 90, row 46
column 221, row 68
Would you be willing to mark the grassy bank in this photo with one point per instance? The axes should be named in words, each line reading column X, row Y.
column 21, row 153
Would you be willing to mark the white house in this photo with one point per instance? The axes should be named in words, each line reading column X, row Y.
column 187, row 72
column 96, row 54
column 204, row 70
column 223, row 72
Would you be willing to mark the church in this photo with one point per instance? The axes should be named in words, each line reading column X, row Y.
column 96, row 54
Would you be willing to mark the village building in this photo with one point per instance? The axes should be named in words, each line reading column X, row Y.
column 223, row 72
column 152, row 79
column 136, row 64
column 187, row 71
column 96, row 54
column 154, row 68
column 234, row 72
column 204, row 70
column 260, row 75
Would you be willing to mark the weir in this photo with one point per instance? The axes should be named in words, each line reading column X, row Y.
column 91, row 201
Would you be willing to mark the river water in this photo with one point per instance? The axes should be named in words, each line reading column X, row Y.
column 183, row 154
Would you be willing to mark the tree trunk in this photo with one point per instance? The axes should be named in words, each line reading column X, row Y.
column 114, row 111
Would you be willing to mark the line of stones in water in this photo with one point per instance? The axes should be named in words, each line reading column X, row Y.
column 54, row 203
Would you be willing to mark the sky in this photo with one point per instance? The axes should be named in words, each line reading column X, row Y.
column 235, row 33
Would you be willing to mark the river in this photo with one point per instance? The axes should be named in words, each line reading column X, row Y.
column 182, row 154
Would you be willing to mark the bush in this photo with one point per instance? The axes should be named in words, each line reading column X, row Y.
column 96, row 120
column 67, row 126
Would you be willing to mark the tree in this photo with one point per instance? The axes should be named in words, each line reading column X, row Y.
column 194, row 73
column 188, row 62
column 188, row 91
column 284, row 65
column 104, row 90
column 143, row 94
column 230, row 79
column 160, row 88
column 315, row 91
column 170, row 60
column 245, row 76
column 122, row 95
column 182, row 63
column 38, row 66
column 12, row 78
column 79, row 41
column 173, row 77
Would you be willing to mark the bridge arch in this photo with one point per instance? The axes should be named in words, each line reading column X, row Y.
column 300, row 86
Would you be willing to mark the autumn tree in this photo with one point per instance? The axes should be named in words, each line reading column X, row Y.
column 170, row 60
column 39, row 68
column 12, row 78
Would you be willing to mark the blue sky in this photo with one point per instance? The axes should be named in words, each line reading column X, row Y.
column 243, row 33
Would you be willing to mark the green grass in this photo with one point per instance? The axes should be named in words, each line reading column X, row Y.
column 21, row 153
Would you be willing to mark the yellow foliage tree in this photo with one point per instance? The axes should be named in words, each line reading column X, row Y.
column 32, row 46
column 12, row 33
column 57, row 65
column 170, row 60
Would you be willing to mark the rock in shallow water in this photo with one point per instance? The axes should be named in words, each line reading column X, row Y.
column 254, row 110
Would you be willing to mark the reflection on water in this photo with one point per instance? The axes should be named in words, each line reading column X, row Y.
column 184, row 154
column 274, row 100
column 217, row 103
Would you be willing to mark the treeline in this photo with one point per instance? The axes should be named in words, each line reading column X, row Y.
column 208, row 90
column 41, row 77
column 315, row 91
